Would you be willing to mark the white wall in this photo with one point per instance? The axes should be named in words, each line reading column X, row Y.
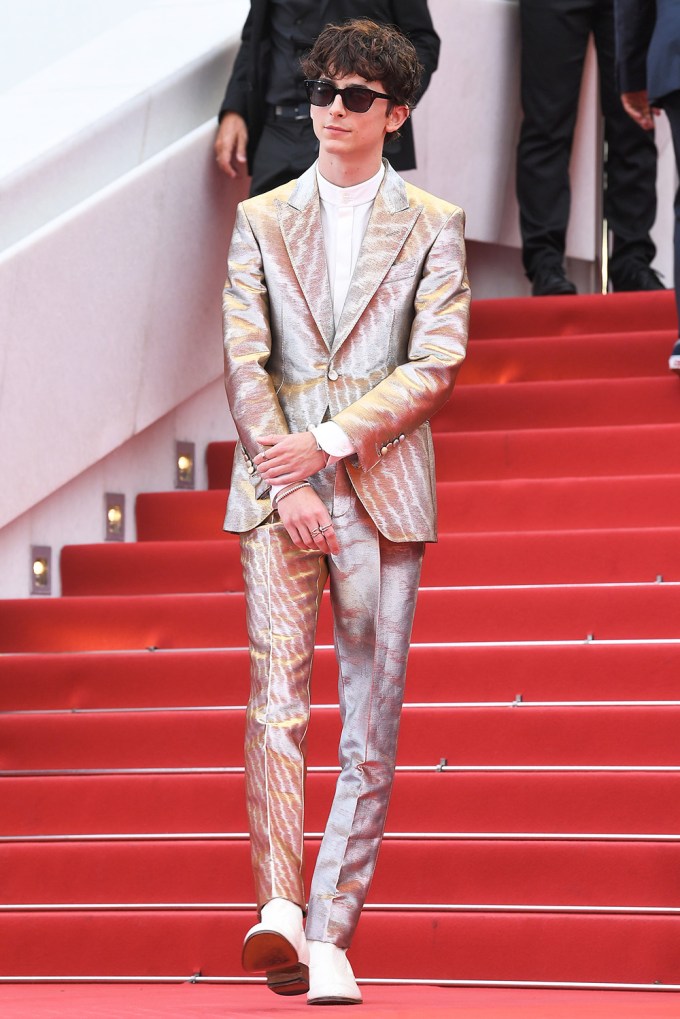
column 112, row 318
column 75, row 512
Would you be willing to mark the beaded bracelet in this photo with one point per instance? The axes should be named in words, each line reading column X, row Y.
column 282, row 495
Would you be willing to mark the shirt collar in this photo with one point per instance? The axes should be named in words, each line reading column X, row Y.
column 356, row 194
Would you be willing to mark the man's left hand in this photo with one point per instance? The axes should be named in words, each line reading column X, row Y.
column 636, row 105
column 289, row 458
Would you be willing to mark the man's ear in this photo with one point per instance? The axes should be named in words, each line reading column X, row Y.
column 396, row 118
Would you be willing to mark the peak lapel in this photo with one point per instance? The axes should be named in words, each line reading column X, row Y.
column 300, row 223
column 390, row 224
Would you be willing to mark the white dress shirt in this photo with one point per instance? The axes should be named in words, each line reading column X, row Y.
column 345, row 213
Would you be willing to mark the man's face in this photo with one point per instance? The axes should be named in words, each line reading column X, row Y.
column 342, row 133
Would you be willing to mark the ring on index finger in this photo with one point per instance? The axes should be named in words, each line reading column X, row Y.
column 317, row 530
column 326, row 528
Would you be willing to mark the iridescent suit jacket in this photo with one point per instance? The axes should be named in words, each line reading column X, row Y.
column 380, row 375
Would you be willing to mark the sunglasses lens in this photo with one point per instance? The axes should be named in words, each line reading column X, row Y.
column 320, row 94
column 357, row 100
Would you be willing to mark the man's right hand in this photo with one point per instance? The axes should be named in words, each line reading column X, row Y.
column 303, row 514
column 230, row 145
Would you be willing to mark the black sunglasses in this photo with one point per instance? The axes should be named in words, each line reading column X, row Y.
column 355, row 98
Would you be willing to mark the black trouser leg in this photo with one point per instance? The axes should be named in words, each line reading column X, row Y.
column 630, row 195
column 554, row 35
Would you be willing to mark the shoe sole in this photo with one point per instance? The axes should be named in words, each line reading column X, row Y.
column 270, row 953
column 330, row 1000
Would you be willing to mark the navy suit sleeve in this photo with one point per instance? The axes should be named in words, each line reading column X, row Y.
column 634, row 21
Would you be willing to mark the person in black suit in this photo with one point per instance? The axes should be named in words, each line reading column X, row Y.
column 648, row 70
column 265, row 125
column 554, row 35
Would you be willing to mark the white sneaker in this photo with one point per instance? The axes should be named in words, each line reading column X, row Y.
column 674, row 359
column 277, row 947
column 331, row 980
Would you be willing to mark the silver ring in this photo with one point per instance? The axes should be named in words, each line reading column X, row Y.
column 317, row 530
column 326, row 528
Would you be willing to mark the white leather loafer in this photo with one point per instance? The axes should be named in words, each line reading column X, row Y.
column 331, row 980
column 277, row 947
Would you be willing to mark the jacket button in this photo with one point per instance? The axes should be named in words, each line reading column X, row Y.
column 333, row 375
column 384, row 450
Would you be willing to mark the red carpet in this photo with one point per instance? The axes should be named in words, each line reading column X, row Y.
column 203, row 1001
column 535, row 807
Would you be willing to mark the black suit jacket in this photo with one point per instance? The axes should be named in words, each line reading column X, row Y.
column 648, row 46
column 247, row 86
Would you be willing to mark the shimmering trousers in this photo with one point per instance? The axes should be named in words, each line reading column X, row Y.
column 374, row 584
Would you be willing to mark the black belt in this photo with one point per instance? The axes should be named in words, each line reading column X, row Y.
column 300, row 112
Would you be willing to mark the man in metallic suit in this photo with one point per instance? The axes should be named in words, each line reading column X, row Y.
column 345, row 323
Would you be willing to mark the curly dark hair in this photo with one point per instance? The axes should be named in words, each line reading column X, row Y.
column 375, row 52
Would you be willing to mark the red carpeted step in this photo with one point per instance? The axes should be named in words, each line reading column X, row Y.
column 467, row 871
column 559, row 452
column 560, row 557
column 641, row 354
column 632, row 803
column 443, row 614
column 559, row 504
column 512, row 736
column 392, row 1001
column 162, row 516
column 532, row 504
column 541, row 453
column 565, row 404
column 151, row 567
column 434, row 944
column 508, row 318
column 474, row 673
column 218, row 458
column 554, row 557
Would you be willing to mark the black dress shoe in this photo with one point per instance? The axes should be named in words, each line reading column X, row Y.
column 637, row 277
column 550, row 279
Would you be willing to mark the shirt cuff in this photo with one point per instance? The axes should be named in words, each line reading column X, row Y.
column 333, row 441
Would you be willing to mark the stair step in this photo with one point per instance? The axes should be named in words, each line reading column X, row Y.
column 467, row 872
column 543, row 557
column 565, row 404
column 510, row 318
column 426, row 945
column 473, row 737
column 551, row 504
column 577, row 803
column 443, row 614
column 115, row 679
column 642, row 354
column 532, row 453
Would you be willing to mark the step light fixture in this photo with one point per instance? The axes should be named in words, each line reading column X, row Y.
column 41, row 569
column 185, row 460
column 114, row 516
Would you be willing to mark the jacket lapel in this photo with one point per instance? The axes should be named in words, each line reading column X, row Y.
column 300, row 223
column 390, row 224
